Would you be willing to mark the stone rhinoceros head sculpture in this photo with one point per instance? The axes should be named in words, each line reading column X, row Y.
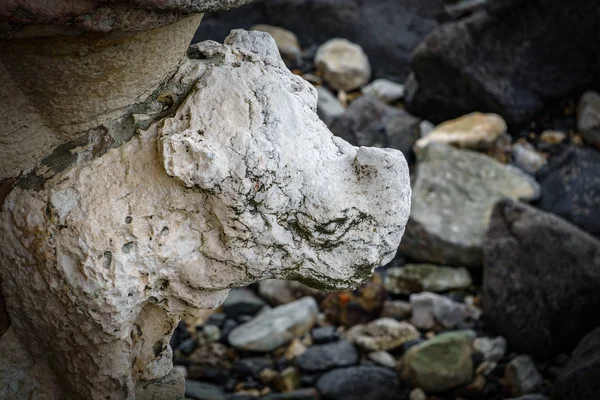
column 242, row 182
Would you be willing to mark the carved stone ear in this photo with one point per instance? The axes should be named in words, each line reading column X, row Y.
column 191, row 161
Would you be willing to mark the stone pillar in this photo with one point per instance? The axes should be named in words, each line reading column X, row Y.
column 140, row 180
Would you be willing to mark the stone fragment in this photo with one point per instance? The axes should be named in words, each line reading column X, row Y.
column 287, row 380
column 382, row 358
column 430, row 309
column 416, row 278
column 588, row 118
column 343, row 64
column 397, row 309
column 286, row 41
column 552, row 137
column 242, row 301
column 324, row 357
column 417, row 394
column 295, row 349
column 579, row 378
column 359, row 383
column 453, row 196
column 571, row 187
column 541, row 317
column 493, row 349
column 522, row 376
column 382, row 334
column 328, row 106
column 275, row 327
column 370, row 122
column 385, row 90
column 324, row 334
column 527, row 158
column 440, row 363
column 475, row 131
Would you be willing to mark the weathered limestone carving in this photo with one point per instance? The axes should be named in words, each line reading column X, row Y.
column 216, row 174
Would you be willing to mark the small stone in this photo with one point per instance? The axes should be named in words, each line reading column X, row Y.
column 208, row 334
column 493, row 349
column 295, row 349
column 324, row 357
column 275, row 327
column 286, row 41
column 280, row 291
column 527, row 158
column 287, row 380
column 417, row 394
column 242, row 301
column 251, row 366
column 397, row 309
column 426, row 128
column 267, row 375
column 187, row 346
column 203, row 391
column 552, row 137
column 382, row 334
column 475, row 131
column 415, row 278
column 383, row 358
column 359, row 383
column 588, row 118
column 522, row 376
column 385, row 90
column 441, row 363
column 344, row 65
column 325, row 334
column 216, row 319
column 430, row 309
column 328, row 106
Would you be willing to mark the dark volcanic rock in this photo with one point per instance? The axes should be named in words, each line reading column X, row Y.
column 371, row 122
column 512, row 59
column 328, row 356
column 541, row 286
column 388, row 30
column 579, row 379
column 359, row 383
column 571, row 188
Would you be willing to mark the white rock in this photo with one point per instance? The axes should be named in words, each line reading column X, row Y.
column 242, row 183
column 275, row 327
column 426, row 128
column 343, row 64
column 383, row 358
column 384, row 90
column 430, row 309
column 527, row 158
column 328, row 106
column 493, row 349
column 417, row 394
column 382, row 334
column 287, row 42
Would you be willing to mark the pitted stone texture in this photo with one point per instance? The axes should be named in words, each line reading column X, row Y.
column 243, row 183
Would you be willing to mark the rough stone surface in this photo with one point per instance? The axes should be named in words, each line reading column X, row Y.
column 107, row 254
column 275, row 327
column 579, row 378
column 416, row 278
column 287, row 42
column 370, row 122
column 493, row 349
column 475, row 131
column 571, row 188
column 395, row 27
column 540, row 284
column 385, row 90
column 522, row 376
column 494, row 61
column 343, row 64
column 324, row 357
column 382, row 334
column 328, row 107
column 440, row 363
column 453, row 196
column 588, row 118
column 430, row 310
column 359, row 383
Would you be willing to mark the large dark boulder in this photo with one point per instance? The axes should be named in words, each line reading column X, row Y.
column 388, row 30
column 571, row 187
column 541, row 285
column 513, row 59
column 371, row 122
column 580, row 378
